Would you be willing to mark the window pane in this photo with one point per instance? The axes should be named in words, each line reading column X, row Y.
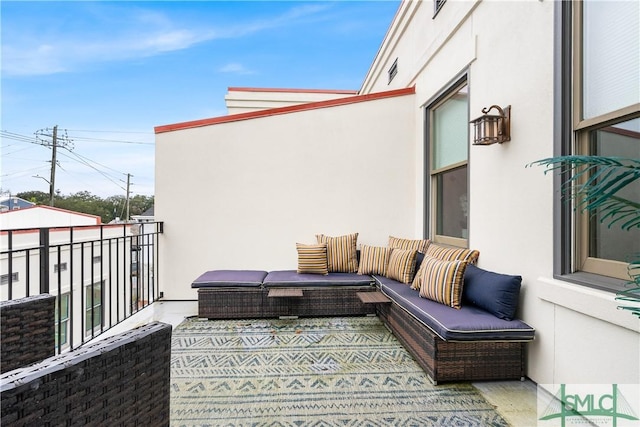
column 611, row 55
column 452, row 203
column 450, row 130
column 614, row 243
column 93, row 307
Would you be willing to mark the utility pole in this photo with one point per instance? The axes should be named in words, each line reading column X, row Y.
column 128, row 192
column 56, row 141
column 52, row 181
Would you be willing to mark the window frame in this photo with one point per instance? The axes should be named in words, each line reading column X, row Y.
column 430, row 174
column 572, row 135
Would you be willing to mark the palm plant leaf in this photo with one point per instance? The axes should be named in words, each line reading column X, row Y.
column 595, row 183
column 632, row 292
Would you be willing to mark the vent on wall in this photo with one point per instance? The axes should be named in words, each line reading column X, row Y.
column 393, row 70
column 437, row 5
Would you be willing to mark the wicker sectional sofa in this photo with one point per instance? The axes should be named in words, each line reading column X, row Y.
column 466, row 344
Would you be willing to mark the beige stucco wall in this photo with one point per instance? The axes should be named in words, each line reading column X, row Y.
column 239, row 195
column 507, row 50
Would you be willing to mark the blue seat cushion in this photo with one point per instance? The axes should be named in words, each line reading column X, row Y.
column 469, row 323
column 291, row 278
column 230, row 278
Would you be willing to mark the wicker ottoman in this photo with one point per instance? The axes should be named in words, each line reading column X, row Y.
column 230, row 294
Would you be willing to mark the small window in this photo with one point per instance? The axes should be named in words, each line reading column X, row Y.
column 4, row 279
column 60, row 267
column 62, row 320
column 437, row 5
column 93, row 307
column 97, row 259
column 393, row 70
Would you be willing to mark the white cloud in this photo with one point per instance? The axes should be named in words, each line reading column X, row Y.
column 119, row 33
column 235, row 68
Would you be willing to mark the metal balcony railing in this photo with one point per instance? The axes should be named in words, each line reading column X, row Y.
column 100, row 274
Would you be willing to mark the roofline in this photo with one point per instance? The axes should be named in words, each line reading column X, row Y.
column 65, row 228
column 53, row 208
column 383, row 43
column 285, row 110
column 260, row 89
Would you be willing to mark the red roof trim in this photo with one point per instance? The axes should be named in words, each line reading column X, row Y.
column 53, row 208
column 284, row 110
column 259, row 89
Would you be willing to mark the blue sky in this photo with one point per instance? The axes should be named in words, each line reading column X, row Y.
column 107, row 72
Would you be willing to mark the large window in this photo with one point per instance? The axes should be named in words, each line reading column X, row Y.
column 447, row 148
column 600, row 102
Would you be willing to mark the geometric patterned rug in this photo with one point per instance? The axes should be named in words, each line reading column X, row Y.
column 347, row 371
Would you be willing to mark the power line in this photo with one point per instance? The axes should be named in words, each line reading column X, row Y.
column 59, row 139
column 111, row 140
column 109, row 131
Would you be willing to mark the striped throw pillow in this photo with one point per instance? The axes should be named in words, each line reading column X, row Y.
column 341, row 252
column 450, row 254
column 374, row 260
column 312, row 258
column 402, row 265
column 419, row 245
column 446, row 254
column 442, row 281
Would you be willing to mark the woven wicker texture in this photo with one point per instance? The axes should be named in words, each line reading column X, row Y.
column 454, row 361
column 123, row 380
column 27, row 331
column 245, row 303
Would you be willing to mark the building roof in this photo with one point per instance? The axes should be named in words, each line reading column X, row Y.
column 284, row 110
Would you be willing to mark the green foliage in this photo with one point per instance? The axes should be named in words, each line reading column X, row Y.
column 84, row 202
column 37, row 197
column 595, row 182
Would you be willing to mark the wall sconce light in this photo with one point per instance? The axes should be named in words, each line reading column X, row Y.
column 489, row 129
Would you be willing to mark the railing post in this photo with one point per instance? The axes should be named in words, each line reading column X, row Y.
column 44, row 260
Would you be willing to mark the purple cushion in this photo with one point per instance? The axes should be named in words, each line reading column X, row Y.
column 288, row 278
column 494, row 292
column 468, row 323
column 227, row 278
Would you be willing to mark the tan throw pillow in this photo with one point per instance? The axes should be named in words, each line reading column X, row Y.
column 374, row 260
column 419, row 245
column 341, row 252
column 442, row 281
column 402, row 265
column 312, row 258
column 446, row 254
column 449, row 254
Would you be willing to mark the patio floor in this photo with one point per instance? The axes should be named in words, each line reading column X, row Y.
column 514, row 400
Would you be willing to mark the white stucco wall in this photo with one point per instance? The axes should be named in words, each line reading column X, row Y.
column 507, row 50
column 239, row 195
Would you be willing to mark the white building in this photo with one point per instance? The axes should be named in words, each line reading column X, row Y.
column 397, row 159
column 95, row 269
